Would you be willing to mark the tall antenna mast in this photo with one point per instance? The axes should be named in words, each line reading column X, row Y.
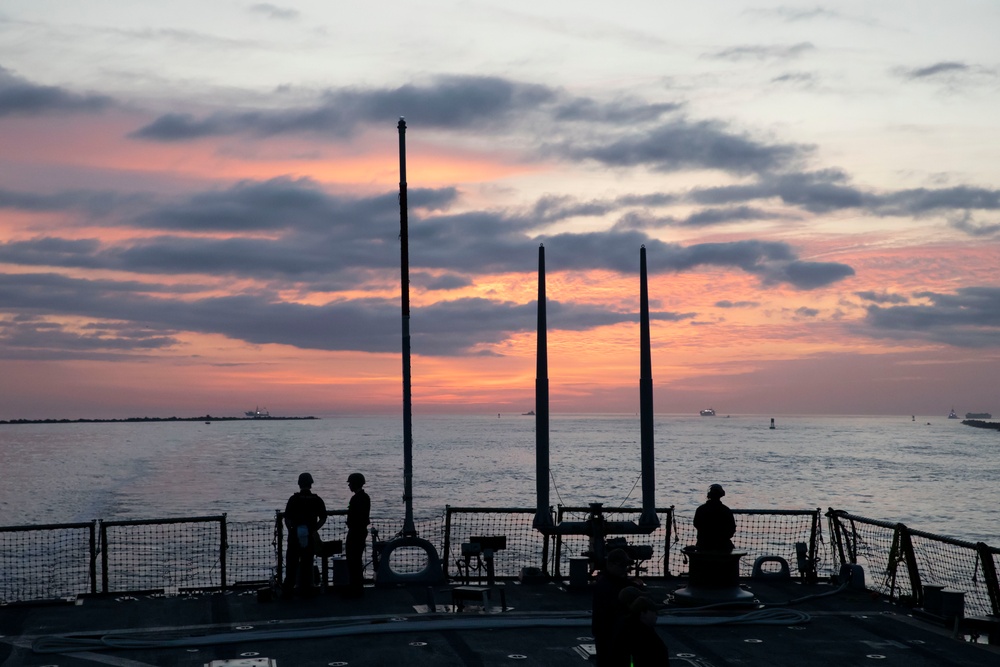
column 648, row 517
column 433, row 571
column 543, row 517
column 404, row 280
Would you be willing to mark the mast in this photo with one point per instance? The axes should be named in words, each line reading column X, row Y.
column 543, row 518
column 648, row 516
column 404, row 280
column 433, row 571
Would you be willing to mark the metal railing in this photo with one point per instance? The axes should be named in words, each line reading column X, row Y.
column 183, row 553
column 758, row 532
column 61, row 560
column 900, row 561
column 48, row 561
column 525, row 547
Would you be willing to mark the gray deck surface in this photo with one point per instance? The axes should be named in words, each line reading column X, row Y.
column 544, row 625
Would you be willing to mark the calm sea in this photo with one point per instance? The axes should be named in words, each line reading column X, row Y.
column 932, row 474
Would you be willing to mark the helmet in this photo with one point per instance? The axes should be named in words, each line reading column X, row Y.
column 356, row 478
column 716, row 491
column 305, row 479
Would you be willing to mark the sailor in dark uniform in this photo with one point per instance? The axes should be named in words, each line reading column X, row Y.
column 305, row 514
column 714, row 522
column 358, row 518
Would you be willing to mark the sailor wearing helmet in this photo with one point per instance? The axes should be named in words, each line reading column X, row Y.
column 714, row 522
column 358, row 518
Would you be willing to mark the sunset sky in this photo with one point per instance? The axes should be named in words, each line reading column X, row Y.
column 198, row 205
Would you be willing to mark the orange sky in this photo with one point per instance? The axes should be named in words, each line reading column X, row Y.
column 187, row 236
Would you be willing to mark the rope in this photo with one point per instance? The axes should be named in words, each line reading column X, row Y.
column 630, row 492
column 556, row 487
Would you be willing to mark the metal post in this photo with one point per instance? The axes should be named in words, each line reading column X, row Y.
column 447, row 538
column 104, row 558
column 408, row 527
column 910, row 557
column 223, row 548
column 545, row 554
column 93, row 556
column 543, row 516
column 668, row 533
column 433, row 572
column 648, row 518
column 989, row 576
column 279, row 538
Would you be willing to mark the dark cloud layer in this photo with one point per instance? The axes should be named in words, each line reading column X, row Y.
column 830, row 190
column 457, row 103
column 970, row 317
column 290, row 229
column 291, row 235
column 450, row 328
column 817, row 192
column 565, row 127
column 681, row 144
column 19, row 97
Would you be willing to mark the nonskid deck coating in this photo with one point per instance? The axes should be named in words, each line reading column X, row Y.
column 545, row 625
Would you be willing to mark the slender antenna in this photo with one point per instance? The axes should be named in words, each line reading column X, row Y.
column 543, row 518
column 404, row 280
column 648, row 516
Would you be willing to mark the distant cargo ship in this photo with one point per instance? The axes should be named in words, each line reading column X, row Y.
column 978, row 415
column 257, row 413
column 710, row 412
column 953, row 414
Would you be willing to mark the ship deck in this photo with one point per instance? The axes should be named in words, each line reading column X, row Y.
column 544, row 624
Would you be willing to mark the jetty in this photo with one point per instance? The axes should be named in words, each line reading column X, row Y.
column 980, row 423
column 143, row 420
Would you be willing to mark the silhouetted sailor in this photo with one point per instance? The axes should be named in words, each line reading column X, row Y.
column 714, row 522
column 358, row 518
column 608, row 609
column 638, row 640
column 305, row 514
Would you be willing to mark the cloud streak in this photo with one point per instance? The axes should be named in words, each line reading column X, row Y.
column 20, row 97
column 452, row 102
column 291, row 229
column 969, row 317
column 136, row 322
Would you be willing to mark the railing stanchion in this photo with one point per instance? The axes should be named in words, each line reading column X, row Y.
column 990, row 575
column 104, row 558
column 223, row 548
column 445, row 555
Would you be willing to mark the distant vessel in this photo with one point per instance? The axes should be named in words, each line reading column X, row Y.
column 257, row 413
column 978, row 415
column 952, row 415
column 529, row 413
column 710, row 412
